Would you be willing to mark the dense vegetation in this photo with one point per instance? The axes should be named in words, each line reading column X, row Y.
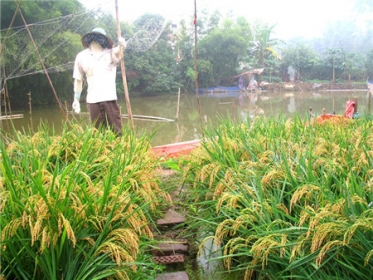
column 285, row 199
column 279, row 199
column 226, row 47
column 77, row 205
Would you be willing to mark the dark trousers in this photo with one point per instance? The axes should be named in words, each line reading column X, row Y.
column 106, row 115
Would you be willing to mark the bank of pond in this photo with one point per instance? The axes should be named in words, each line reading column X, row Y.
column 277, row 199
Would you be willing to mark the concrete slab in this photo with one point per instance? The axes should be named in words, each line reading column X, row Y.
column 171, row 218
column 182, row 275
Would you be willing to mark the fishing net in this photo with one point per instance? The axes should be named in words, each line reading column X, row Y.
column 57, row 41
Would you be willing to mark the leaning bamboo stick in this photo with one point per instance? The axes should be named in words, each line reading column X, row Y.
column 123, row 70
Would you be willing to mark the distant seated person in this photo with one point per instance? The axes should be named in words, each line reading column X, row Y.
column 252, row 85
column 350, row 111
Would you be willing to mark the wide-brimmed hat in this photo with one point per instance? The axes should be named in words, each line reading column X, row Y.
column 97, row 35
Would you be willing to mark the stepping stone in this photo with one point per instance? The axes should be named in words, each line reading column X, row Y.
column 170, row 234
column 171, row 218
column 177, row 258
column 168, row 172
column 182, row 275
column 170, row 248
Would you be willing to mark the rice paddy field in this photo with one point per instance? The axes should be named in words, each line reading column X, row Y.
column 279, row 199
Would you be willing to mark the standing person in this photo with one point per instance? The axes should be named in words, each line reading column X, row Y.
column 97, row 63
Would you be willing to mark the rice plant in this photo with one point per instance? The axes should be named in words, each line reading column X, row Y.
column 284, row 199
column 76, row 205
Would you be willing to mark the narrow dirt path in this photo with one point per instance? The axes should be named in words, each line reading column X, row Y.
column 172, row 248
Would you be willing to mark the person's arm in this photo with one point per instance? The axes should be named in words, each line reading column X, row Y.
column 118, row 50
column 78, row 86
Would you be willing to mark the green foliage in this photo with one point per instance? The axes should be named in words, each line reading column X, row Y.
column 333, row 59
column 353, row 66
column 205, row 75
column 35, row 11
column 263, row 45
column 301, row 57
column 271, row 79
column 156, row 65
column 225, row 47
column 369, row 64
column 184, row 56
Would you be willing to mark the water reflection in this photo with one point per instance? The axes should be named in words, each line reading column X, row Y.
column 291, row 106
column 214, row 107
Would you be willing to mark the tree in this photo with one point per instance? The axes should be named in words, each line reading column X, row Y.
column 155, row 67
column 369, row 64
column 223, row 48
column 353, row 64
column 184, row 55
column 263, row 46
column 19, row 52
column 36, row 11
column 301, row 57
column 333, row 58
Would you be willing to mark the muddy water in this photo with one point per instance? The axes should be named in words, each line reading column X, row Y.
column 187, row 118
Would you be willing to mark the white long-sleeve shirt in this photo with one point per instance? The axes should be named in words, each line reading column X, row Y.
column 99, row 68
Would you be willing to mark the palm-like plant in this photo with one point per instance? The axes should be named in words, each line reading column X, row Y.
column 263, row 45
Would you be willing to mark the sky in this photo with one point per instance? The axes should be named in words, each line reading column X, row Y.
column 292, row 17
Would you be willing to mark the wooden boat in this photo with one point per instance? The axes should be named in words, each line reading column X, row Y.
column 10, row 117
column 176, row 149
column 331, row 119
column 135, row 117
column 148, row 118
column 348, row 115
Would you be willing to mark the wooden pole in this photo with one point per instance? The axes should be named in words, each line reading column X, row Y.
column 369, row 95
column 123, row 70
column 178, row 105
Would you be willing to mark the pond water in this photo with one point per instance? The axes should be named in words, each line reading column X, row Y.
column 193, row 113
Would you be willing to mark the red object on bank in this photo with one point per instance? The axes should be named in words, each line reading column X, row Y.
column 176, row 149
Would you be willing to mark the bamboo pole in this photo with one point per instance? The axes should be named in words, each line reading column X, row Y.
column 42, row 64
column 123, row 70
column 369, row 95
column 6, row 96
column 178, row 104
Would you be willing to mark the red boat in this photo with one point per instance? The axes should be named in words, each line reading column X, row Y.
column 176, row 149
column 348, row 115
